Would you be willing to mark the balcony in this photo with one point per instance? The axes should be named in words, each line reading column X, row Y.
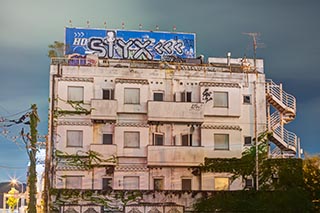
column 106, row 150
column 175, row 155
column 103, row 109
column 175, row 111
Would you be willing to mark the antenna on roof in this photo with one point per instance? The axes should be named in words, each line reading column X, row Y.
column 88, row 24
column 255, row 46
column 70, row 22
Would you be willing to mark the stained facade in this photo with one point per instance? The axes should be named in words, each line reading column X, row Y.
column 158, row 121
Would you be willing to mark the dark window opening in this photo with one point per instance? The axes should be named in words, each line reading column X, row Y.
column 107, row 139
column 157, row 96
column 108, row 94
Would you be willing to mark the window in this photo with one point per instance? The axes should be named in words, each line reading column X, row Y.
column 158, row 96
column 106, row 183
column 107, row 139
column 186, row 96
column 221, row 141
column 73, row 182
column 157, row 139
column 107, row 94
column 247, row 99
column 74, row 138
column 186, row 140
column 221, row 183
column 75, row 94
column 248, row 183
column 131, row 139
column 158, row 184
column 132, row 96
column 130, row 182
column 220, row 99
column 186, row 184
column 247, row 141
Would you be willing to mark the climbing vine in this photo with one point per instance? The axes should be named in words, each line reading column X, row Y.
column 78, row 109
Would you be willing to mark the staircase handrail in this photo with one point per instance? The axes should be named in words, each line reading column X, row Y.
column 274, row 119
column 275, row 90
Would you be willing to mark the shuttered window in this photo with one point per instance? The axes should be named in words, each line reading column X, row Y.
column 73, row 182
column 131, row 139
column 132, row 96
column 130, row 182
column 221, row 141
column 75, row 94
column 74, row 138
column 220, row 99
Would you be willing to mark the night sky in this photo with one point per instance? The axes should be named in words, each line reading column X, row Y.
column 289, row 42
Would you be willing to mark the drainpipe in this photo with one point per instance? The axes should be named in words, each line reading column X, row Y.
column 50, row 144
column 256, row 133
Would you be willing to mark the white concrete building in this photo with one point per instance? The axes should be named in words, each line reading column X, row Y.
column 160, row 121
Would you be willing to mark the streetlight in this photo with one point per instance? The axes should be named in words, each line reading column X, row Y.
column 15, row 182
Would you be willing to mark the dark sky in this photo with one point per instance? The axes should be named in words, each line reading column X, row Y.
column 289, row 43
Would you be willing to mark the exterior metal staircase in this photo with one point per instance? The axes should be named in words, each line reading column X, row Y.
column 285, row 106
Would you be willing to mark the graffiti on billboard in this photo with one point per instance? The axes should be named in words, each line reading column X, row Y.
column 121, row 44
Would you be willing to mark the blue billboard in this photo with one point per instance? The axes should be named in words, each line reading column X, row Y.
column 124, row 44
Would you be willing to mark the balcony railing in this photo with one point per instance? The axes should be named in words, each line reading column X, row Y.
column 286, row 100
column 175, row 111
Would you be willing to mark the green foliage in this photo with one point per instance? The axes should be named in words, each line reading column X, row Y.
column 243, row 167
column 110, row 200
column 56, row 49
column 292, row 200
column 84, row 160
column 311, row 176
column 76, row 105
column 281, row 174
column 286, row 184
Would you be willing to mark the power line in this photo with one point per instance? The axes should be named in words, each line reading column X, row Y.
column 11, row 167
column 11, row 115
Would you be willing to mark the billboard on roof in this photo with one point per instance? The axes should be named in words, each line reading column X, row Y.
column 125, row 44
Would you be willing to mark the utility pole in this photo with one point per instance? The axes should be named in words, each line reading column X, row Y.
column 32, row 179
column 254, row 36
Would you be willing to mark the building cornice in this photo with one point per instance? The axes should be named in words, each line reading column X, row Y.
column 131, row 81
column 226, row 127
column 74, row 123
column 216, row 84
column 132, row 125
column 131, row 169
column 78, row 79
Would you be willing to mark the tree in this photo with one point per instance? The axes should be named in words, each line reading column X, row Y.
column 281, row 182
column 56, row 49
column 13, row 199
column 311, row 175
column 245, row 167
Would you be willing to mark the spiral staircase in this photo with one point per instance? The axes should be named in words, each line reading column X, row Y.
column 284, row 106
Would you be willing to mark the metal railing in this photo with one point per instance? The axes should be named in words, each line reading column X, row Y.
column 277, row 91
column 288, row 137
column 275, row 125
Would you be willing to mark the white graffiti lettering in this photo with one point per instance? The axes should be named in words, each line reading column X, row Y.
column 113, row 47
